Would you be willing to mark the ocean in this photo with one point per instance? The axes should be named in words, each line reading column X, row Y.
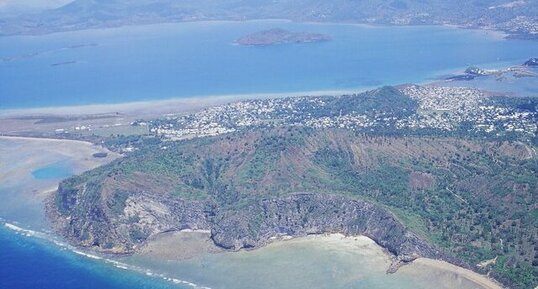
column 164, row 61
column 30, row 262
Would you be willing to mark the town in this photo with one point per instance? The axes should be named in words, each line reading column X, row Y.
column 442, row 109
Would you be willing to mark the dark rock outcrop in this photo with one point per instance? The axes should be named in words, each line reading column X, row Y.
column 304, row 214
column 476, row 71
column 533, row 62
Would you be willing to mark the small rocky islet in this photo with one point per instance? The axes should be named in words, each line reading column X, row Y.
column 277, row 36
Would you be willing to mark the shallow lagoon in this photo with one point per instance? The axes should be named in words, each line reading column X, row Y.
column 52, row 171
column 200, row 59
column 31, row 168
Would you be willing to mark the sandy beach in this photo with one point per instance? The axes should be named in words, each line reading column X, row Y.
column 179, row 245
column 347, row 261
column 458, row 272
column 315, row 261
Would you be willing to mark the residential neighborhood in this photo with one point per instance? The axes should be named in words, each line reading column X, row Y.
column 444, row 109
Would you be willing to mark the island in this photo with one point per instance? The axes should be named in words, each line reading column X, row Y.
column 277, row 36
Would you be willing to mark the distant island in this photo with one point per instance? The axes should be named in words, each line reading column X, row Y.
column 280, row 36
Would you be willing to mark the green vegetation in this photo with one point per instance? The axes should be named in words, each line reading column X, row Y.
column 476, row 199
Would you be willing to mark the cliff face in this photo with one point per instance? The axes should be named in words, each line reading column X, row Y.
column 121, row 221
column 305, row 213
column 256, row 224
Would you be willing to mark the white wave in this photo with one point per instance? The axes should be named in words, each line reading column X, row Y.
column 20, row 230
column 122, row 267
column 117, row 264
column 60, row 244
column 87, row 255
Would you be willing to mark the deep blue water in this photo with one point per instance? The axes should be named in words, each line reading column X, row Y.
column 28, row 262
column 52, row 171
column 199, row 59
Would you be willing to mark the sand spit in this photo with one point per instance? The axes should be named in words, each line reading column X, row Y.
column 458, row 273
column 162, row 106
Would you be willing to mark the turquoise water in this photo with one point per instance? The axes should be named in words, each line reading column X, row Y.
column 27, row 169
column 52, row 171
column 199, row 59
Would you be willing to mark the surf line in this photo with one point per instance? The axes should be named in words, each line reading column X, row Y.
column 40, row 235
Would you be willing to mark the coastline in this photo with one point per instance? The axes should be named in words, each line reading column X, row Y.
column 80, row 152
column 23, row 194
column 501, row 34
column 481, row 280
column 472, row 276
column 336, row 244
column 179, row 105
column 191, row 102
column 362, row 250
column 172, row 105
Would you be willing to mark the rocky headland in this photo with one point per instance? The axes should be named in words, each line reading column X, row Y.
column 147, row 215
column 415, row 196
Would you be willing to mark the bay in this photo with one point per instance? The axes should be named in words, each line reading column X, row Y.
column 164, row 61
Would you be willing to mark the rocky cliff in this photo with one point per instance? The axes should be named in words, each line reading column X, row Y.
column 143, row 215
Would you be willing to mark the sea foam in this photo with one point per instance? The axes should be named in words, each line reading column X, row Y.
column 116, row 264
